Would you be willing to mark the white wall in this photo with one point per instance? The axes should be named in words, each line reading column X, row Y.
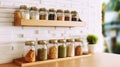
column 12, row 38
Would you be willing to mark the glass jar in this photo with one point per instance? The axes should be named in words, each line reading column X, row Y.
column 24, row 12
column 30, row 51
column 41, row 50
column 34, row 13
column 70, row 47
column 43, row 14
column 78, row 47
column 51, row 14
column 61, row 48
column 74, row 16
column 52, row 49
column 67, row 15
column 59, row 15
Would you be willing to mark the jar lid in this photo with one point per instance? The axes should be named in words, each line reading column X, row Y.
column 73, row 12
column 66, row 11
column 42, row 9
column 51, row 10
column 53, row 41
column 30, row 43
column 41, row 42
column 77, row 40
column 70, row 40
column 33, row 8
column 59, row 10
column 23, row 7
column 61, row 40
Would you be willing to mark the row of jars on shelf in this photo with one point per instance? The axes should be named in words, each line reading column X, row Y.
column 53, row 49
column 51, row 14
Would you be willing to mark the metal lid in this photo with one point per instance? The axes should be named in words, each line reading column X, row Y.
column 66, row 11
column 73, row 12
column 41, row 42
column 23, row 7
column 70, row 40
column 61, row 41
column 53, row 41
column 34, row 8
column 42, row 9
column 51, row 10
column 59, row 10
column 77, row 40
column 30, row 43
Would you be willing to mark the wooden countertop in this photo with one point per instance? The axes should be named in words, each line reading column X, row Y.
column 96, row 60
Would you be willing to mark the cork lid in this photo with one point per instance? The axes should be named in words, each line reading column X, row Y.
column 42, row 9
column 66, row 11
column 70, row 40
column 77, row 40
column 73, row 12
column 59, row 11
column 61, row 41
column 23, row 7
column 41, row 42
column 53, row 41
column 34, row 8
column 30, row 43
column 51, row 10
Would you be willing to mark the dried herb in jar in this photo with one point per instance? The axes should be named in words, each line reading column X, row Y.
column 42, row 54
column 43, row 14
column 51, row 15
column 78, row 50
column 61, row 51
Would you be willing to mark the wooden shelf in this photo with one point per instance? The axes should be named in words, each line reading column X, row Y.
column 46, row 23
column 23, row 64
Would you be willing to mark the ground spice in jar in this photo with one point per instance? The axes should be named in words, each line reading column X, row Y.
column 43, row 14
column 66, row 15
column 78, row 50
column 51, row 15
column 52, row 52
column 70, row 50
column 42, row 54
column 74, row 15
column 61, row 51
column 59, row 14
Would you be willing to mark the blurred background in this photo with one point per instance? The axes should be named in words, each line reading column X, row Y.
column 111, row 25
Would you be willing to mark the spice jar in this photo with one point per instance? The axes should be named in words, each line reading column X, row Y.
column 59, row 14
column 24, row 12
column 78, row 47
column 34, row 13
column 51, row 14
column 52, row 49
column 70, row 47
column 61, row 48
column 74, row 16
column 41, row 50
column 67, row 15
column 30, row 51
column 43, row 14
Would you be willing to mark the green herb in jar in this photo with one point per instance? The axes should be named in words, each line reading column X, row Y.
column 42, row 54
column 61, row 51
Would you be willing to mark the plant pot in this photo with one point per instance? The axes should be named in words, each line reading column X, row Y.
column 91, row 48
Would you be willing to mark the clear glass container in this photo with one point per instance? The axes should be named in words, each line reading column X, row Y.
column 43, row 14
column 52, row 49
column 24, row 12
column 78, row 47
column 67, row 15
column 51, row 14
column 42, row 50
column 30, row 51
column 70, row 47
column 74, row 16
column 34, row 13
column 62, row 48
column 59, row 15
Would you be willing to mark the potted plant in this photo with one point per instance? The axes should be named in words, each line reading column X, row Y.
column 92, row 41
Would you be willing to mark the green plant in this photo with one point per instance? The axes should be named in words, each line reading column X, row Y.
column 92, row 39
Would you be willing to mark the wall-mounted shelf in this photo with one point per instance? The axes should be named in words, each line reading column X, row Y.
column 22, row 63
column 47, row 23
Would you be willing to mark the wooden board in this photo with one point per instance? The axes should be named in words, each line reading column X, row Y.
column 22, row 63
